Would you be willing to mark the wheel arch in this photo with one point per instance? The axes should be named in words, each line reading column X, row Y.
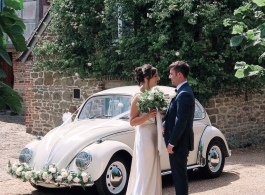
column 210, row 134
column 102, row 154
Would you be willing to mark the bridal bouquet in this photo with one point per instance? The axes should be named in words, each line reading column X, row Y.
column 152, row 99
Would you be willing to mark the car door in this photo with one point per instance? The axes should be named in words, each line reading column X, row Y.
column 198, row 128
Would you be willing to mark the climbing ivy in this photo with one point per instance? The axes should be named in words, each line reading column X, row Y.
column 106, row 37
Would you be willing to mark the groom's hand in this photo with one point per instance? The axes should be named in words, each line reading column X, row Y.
column 163, row 131
column 170, row 149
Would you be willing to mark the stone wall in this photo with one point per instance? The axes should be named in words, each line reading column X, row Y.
column 53, row 95
column 242, row 122
column 48, row 95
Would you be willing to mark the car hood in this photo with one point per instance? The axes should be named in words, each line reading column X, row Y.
column 63, row 143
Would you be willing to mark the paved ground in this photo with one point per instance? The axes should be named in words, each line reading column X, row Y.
column 244, row 172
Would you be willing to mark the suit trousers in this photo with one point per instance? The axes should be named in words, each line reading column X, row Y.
column 178, row 163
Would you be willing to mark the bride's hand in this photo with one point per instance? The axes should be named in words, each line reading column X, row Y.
column 152, row 113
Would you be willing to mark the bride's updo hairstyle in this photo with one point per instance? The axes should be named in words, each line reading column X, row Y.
column 146, row 70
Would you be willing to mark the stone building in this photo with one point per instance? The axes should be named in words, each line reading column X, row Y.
column 47, row 95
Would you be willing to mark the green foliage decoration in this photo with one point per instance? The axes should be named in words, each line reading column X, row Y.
column 96, row 38
column 13, row 27
column 248, row 23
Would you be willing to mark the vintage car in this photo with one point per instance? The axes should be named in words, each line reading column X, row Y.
column 97, row 147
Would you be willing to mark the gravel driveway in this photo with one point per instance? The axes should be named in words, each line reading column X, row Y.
column 244, row 172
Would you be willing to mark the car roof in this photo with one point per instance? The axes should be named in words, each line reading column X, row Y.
column 131, row 90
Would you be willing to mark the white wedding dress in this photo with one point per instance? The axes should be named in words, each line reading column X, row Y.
column 145, row 176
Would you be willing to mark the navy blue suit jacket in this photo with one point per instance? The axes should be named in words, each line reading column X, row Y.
column 178, row 122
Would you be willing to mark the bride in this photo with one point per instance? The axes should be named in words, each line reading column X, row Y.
column 145, row 176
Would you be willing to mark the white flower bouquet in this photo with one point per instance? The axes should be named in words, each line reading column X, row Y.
column 49, row 175
column 152, row 99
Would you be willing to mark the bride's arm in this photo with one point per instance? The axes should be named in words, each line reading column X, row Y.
column 135, row 118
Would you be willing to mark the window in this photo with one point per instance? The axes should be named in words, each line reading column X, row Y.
column 1, row 5
column 105, row 106
column 199, row 111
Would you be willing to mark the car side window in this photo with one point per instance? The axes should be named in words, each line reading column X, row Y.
column 105, row 106
column 199, row 111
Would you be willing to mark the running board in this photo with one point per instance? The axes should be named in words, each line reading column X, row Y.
column 188, row 168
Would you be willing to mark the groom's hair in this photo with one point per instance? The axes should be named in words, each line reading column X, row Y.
column 180, row 66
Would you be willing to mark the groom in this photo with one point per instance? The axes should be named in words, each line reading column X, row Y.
column 178, row 132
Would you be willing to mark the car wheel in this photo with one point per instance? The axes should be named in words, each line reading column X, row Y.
column 114, row 180
column 215, row 159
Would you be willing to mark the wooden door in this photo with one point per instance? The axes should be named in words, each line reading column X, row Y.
column 9, row 80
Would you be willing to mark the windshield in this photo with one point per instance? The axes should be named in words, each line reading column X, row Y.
column 105, row 106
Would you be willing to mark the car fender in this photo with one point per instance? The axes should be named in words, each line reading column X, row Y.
column 208, row 135
column 101, row 155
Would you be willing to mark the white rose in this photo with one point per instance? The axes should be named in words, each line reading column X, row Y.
column 76, row 180
column 64, row 174
column 45, row 175
column 27, row 175
column 59, row 178
column 32, row 180
column 63, row 170
column 89, row 64
column 120, row 104
column 52, row 170
column 50, row 177
column 50, row 166
column 85, row 179
column 18, row 173
column 150, row 97
column 83, row 174
column 172, row 94
column 69, row 178
column 20, row 168
column 14, row 168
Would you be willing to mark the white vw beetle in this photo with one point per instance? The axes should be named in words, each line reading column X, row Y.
column 100, row 142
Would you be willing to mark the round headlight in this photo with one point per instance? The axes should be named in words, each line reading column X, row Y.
column 83, row 159
column 25, row 155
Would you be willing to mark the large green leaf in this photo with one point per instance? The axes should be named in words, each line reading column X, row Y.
column 242, row 9
column 11, row 14
column 251, row 44
column 236, row 40
column 2, row 73
column 11, row 98
column 7, row 22
column 18, row 40
column 239, row 74
column 240, row 65
column 259, row 2
column 5, row 56
column 250, row 35
column 262, row 30
column 15, row 4
column 261, row 57
column 2, row 103
column 237, row 29
column 2, row 41
column 245, row 70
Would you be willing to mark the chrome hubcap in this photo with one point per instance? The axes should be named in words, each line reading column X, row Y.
column 116, row 177
column 214, row 158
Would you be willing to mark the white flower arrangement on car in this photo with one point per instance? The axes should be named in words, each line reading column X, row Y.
column 152, row 99
column 49, row 175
